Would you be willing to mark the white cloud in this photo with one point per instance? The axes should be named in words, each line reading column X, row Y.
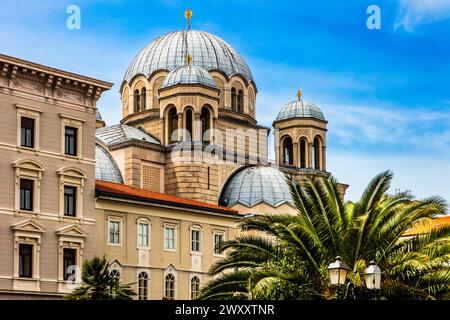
column 413, row 13
column 390, row 125
column 423, row 176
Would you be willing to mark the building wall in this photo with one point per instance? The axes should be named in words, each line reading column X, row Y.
column 130, row 259
column 53, row 98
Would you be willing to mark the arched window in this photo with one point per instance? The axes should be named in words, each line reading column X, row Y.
column 116, row 275
column 205, row 119
column 316, row 152
column 169, row 286
column 288, row 158
column 137, row 101
column 195, row 287
column 143, row 286
column 172, row 120
column 240, row 101
column 302, row 157
column 233, row 99
column 188, row 117
column 143, row 98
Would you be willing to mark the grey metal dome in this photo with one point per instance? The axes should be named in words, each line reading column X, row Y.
column 300, row 109
column 254, row 185
column 189, row 74
column 106, row 168
column 169, row 51
column 119, row 133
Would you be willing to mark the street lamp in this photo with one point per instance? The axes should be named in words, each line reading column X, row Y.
column 373, row 276
column 338, row 271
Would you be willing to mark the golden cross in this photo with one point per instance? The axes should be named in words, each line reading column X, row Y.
column 299, row 94
column 188, row 59
column 188, row 15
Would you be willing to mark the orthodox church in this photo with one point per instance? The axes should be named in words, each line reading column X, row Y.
column 191, row 90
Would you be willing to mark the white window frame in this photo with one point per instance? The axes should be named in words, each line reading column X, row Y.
column 174, row 228
column 147, row 223
column 190, row 284
column 173, row 272
column 27, row 232
column 32, row 113
column 192, row 229
column 69, row 121
column 30, row 170
column 138, row 284
column 71, row 177
column 223, row 234
column 119, row 221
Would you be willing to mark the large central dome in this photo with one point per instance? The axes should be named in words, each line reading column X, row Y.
column 169, row 51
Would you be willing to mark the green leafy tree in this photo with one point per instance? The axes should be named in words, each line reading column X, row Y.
column 286, row 256
column 100, row 284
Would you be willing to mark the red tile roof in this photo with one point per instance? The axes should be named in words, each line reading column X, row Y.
column 117, row 189
column 426, row 227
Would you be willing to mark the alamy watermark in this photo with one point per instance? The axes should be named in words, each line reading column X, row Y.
column 73, row 21
column 374, row 20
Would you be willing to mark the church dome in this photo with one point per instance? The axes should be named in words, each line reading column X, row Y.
column 169, row 51
column 189, row 74
column 254, row 185
column 106, row 168
column 300, row 109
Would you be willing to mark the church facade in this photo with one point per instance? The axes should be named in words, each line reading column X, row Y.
column 154, row 193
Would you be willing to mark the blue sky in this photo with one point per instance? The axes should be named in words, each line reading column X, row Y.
column 386, row 93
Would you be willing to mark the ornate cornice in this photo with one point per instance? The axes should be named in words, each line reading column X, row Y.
column 18, row 71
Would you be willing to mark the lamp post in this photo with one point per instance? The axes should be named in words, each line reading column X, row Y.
column 338, row 272
column 372, row 275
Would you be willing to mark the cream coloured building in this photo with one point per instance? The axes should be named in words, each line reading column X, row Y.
column 47, row 174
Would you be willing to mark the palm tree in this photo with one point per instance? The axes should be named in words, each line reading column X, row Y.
column 286, row 256
column 100, row 283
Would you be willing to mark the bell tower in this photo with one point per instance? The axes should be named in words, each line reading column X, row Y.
column 301, row 136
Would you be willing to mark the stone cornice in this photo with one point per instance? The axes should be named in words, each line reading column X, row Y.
column 48, row 77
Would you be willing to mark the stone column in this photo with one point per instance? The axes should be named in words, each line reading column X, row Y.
column 180, row 127
column 197, row 125
column 296, row 160
column 310, row 155
column 213, row 128
column 162, row 126
column 324, row 158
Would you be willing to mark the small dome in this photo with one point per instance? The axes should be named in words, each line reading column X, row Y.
column 106, row 168
column 254, row 185
column 189, row 74
column 168, row 51
column 300, row 109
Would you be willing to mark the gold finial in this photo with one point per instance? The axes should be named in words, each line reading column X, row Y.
column 188, row 15
column 188, row 58
column 299, row 94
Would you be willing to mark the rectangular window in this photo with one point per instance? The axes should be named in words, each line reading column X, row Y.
column 25, row 260
column 169, row 238
column 70, row 143
column 114, row 232
column 195, row 240
column 70, row 201
column 218, row 239
column 143, row 234
column 69, row 263
column 27, row 132
column 26, row 194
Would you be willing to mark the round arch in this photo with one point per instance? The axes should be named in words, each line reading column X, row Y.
column 287, row 150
